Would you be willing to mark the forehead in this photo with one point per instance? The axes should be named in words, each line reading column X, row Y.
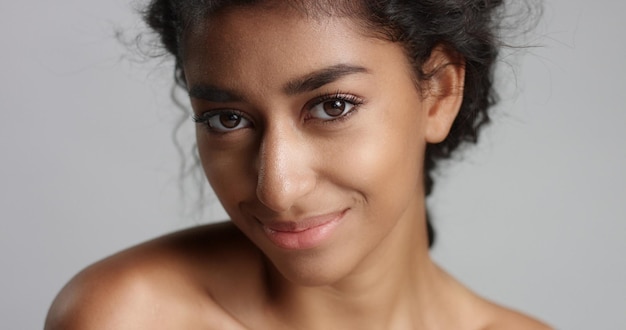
column 309, row 8
column 261, row 36
column 268, row 45
column 230, row 25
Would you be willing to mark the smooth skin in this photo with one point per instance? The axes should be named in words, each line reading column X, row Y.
column 312, row 134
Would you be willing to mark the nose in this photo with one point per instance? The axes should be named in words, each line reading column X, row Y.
column 285, row 172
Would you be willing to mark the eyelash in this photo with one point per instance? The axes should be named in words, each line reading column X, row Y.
column 353, row 100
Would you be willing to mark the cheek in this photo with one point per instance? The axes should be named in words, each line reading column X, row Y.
column 227, row 171
column 383, row 159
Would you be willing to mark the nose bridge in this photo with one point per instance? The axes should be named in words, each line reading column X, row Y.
column 284, row 172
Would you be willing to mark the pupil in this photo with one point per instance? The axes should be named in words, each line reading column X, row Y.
column 334, row 108
column 230, row 120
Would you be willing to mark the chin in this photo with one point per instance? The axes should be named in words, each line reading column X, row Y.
column 310, row 268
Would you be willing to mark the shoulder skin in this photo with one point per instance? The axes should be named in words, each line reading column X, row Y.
column 194, row 279
column 504, row 318
column 166, row 283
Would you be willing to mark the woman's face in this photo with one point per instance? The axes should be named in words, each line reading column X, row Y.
column 311, row 134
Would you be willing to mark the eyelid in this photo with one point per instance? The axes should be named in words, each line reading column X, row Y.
column 338, row 95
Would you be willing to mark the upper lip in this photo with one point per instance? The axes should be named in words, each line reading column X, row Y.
column 301, row 224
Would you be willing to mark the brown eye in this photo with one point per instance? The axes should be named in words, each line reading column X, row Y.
column 223, row 121
column 334, row 108
column 230, row 120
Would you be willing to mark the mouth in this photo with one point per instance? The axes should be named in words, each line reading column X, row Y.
column 304, row 234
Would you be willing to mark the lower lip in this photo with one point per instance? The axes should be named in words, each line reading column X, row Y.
column 305, row 239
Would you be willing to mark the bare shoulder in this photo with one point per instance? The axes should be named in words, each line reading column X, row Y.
column 166, row 283
column 504, row 318
column 476, row 312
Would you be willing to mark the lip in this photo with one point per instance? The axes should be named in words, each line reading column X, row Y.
column 303, row 234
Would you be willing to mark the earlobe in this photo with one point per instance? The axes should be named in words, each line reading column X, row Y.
column 444, row 95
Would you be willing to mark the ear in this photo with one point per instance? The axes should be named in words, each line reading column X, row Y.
column 444, row 93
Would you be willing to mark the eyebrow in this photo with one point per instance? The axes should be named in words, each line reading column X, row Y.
column 307, row 83
column 319, row 78
column 213, row 94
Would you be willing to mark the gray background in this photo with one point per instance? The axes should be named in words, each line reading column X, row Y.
column 533, row 217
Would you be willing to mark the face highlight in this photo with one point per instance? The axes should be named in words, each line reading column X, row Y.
column 311, row 135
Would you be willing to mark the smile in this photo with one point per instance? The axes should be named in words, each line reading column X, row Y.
column 305, row 234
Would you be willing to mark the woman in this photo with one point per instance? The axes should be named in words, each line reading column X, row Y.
column 318, row 126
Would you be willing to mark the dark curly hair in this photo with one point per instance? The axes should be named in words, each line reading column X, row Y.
column 466, row 27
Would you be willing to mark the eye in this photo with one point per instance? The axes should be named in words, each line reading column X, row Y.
column 223, row 121
column 334, row 107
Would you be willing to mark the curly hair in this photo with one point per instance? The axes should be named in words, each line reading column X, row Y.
column 467, row 27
